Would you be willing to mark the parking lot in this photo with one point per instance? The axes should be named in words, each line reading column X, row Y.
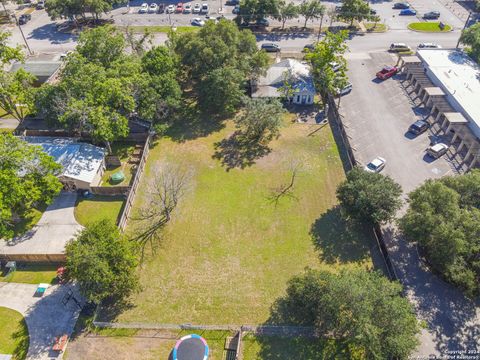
column 377, row 115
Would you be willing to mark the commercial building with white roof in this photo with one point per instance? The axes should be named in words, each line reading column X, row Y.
column 83, row 164
column 448, row 82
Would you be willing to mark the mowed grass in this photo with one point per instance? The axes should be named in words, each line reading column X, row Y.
column 88, row 210
column 14, row 337
column 32, row 274
column 428, row 27
column 229, row 251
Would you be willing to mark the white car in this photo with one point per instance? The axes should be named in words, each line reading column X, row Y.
column 187, row 9
column 376, row 165
column 170, row 9
column 196, row 8
column 143, row 9
column 345, row 90
column 429, row 46
column 153, row 8
column 204, row 9
column 197, row 22
column 437, row 150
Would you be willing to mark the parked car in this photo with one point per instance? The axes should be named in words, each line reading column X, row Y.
column 170, row 9
column 437, row 150
column 40, row 5
column 153, row 8
column 196, row 8
column 179, row 8
column 387, row 72
column 376, row 165
column 338, row 8
column 24, row 18
column 270, row 47
column 419, row 127
column 401, row 5
column 262, row 23
column 236, row 9
column 345, row 90
column 197, row 22
column 233, row 2
column 204, row 9
column 431, row 15
column 308, row 47
column 373, row 12
column 429, row 46
column 408, row 12
column 399, row 47
column 335, row 66
column 143, row 9
column 161, row 8
column 187, row 9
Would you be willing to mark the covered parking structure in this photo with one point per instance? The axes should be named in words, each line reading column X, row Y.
column 446, row 82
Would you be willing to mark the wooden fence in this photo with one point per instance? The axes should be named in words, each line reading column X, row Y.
column 122, row 223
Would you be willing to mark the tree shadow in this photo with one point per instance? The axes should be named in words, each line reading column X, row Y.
column 238, row 152
column 109, row 310
column 340, row 240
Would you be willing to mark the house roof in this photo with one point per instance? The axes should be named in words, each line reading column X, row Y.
column 38, row 68
column 80, row 161
column 295, row 72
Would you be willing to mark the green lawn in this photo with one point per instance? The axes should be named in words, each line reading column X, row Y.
column 378, row 27
column 29, row 220
column 13, row 334
column 32, row 274
column 229, row 251
column 123, row 150
column 98, row 208
column 428, row 27
column 163, row 29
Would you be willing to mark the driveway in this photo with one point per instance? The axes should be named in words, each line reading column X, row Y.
column 376, row 116
column 54, row 229
column 46, row 316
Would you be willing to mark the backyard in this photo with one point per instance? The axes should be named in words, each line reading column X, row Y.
column 97, row 208
column 13, row 334
column 229, row 250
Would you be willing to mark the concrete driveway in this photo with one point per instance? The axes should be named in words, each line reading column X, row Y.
column 54, row 229
column 46, row 316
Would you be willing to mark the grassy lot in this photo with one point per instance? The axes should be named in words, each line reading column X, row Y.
column 32, row 274
column 98, row 208
column 123, row 150
column 428, row 27
column 378, row 27
column 163, row 29
column 13, row 334
column 229, row 251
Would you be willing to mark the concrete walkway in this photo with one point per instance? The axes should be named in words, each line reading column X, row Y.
column 46, row 316
column 55, row 228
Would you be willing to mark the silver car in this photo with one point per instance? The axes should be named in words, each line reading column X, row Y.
column 376, row 165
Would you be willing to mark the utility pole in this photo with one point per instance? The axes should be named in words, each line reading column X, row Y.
column 464, row 26
column 19, row 27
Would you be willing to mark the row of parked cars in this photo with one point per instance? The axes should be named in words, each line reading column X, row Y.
column 402, row 47
column 180, row 8
column 405, row 9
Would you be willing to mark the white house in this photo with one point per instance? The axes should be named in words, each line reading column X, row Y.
column 83, row 164
column 293, row 72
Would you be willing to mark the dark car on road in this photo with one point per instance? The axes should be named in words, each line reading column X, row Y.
column 418, row 127
column 270, row 47
column 161, row 8
column 401, row 5
column 23, row 19
column 233, row 2
column 408, row 12
column 431, row 15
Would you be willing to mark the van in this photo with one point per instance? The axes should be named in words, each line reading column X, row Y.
column 437, row 150
column 399, row 47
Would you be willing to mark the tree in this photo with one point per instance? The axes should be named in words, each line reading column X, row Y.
column 354, row 10
column 312, row 9
column 218, row 55
column 260, row 120
column 329, row 50
column 471, row 37
column 8, row 53
column 444, row 218
column 286, row 12
column 363, row 311
column 73, row 9
column 252, row 10
column 369, row 197
column 28, row 177
column 102, row 262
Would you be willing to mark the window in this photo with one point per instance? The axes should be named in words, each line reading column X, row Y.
column 298, row 98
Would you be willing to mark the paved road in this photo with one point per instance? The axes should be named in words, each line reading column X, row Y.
column 54, row 229
column 8, row 123
column 46, row 316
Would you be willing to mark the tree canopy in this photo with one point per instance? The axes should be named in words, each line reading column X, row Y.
column 312, row 9
column 74, row 9
column 8, row 53
column 102, row 262
column 471, row 37
column 354, row 10
column 28, row 177
column 369, row 197
column 326, row 52
column 444, row 218
column 362, row 311
column 286, row 12
column 252, row 10
column 218, row 58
